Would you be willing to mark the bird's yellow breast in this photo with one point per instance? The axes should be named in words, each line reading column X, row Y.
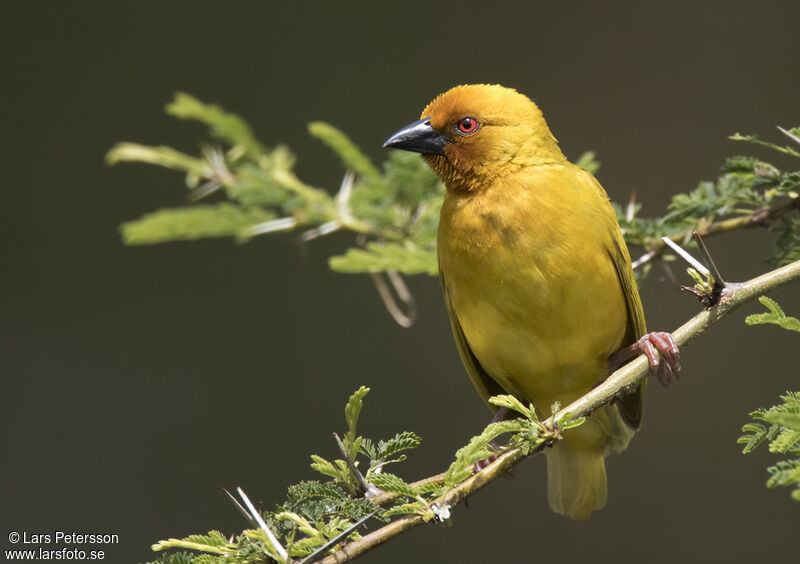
column 530, row 279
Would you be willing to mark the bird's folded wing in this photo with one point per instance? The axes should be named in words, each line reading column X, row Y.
column 631, row 406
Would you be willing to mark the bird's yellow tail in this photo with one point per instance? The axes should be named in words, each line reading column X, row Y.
column 576, row 480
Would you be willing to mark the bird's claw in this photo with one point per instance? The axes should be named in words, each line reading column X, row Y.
column 658, row 345
column 654, row 346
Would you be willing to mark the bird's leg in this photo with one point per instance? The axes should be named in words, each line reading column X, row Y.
column 651, row 345
column 499, row 415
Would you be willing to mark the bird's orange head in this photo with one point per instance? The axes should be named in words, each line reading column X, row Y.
column 476, row 133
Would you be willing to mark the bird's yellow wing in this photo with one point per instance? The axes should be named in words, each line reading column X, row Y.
column 631, row 406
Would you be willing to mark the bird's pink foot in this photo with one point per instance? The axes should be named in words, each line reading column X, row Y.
column 654, row 346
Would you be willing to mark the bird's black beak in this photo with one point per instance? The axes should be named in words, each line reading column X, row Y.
column 418, row 137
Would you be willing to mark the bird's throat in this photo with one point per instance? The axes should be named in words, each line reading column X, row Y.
column 458, row 179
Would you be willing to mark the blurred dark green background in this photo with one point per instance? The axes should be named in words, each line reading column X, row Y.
column 139, row 381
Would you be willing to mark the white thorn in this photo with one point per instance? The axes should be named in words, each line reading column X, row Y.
column 630, row 209
column 323, row 229
column 270, row 536
column 686, row 256
column 282, row 224
column 643, row 259
column 343, row 196
column 789, row 134
column 206, row 189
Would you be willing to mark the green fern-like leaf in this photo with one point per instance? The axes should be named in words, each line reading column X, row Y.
column 741, row 164
column 306, row 546
column 787, row 242
column 411, row 181
column 569, row 422
column 588, row 162
column 214, row 542
column 223, row 125
column 351, row 411
column 756, row 141
column 380, row 257
column 406, row 509
column 325, row 467
column 784, row 473
column 211, row 559
column 367, row 448
column 193, row 222
column 351, row 155
column 788, row 440
column 511, row 402
column 175, row 558
column 783, row 435
column 166, row 157
column 303, row 525
column 256, row 186
column 213, row 538
column 478, row 449
column 775, row 315
column 406, row 440
column 755, row 435
column 392, row 483
column 318, row 502
column 788, row 418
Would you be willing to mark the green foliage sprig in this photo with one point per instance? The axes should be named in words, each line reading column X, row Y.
column 749, row 193
column 316, row 512
column 774, row 315
column 395, row 207
column 779, row 426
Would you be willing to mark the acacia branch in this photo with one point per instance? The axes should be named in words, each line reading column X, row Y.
column 622, row 381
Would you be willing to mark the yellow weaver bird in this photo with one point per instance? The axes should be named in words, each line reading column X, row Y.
column 537, row 278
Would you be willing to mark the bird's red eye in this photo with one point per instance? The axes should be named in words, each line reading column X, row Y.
column 467, row 125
